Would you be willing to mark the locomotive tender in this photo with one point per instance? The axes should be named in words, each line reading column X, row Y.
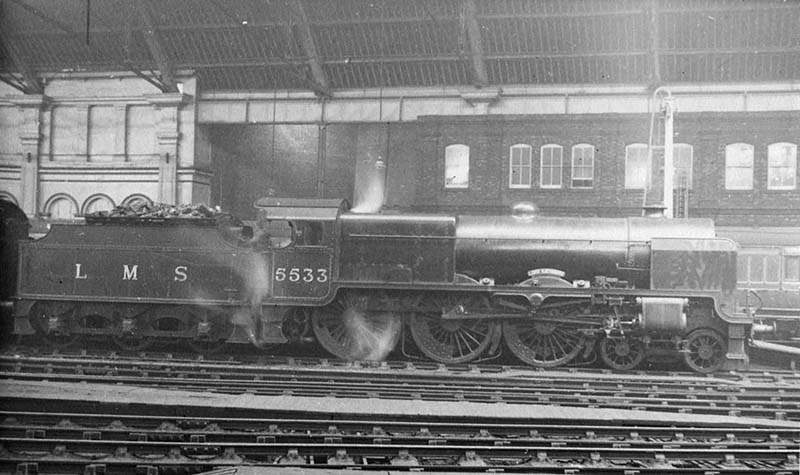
column 549, row 289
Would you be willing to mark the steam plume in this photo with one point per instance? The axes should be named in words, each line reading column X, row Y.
column 369, row 197
column 372, row 338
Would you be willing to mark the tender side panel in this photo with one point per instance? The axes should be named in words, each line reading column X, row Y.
column 179, row 264
column 13, row 228
column 386, row 248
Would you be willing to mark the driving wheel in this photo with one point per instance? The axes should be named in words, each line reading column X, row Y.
column 451, row 341
column 348, row 330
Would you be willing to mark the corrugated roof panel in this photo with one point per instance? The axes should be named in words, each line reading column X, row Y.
column 365, row 43
column 353, row 11
column 387, row 40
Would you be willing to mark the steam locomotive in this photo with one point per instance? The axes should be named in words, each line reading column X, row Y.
column 461, row 287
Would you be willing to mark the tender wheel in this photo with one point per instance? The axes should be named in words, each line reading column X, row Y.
column 348, row 331
column 544, row 344
column 54, row 321
column 128, row 331
column 210, row 330
column 450, row 341
column 622, row 353
column 705, row 350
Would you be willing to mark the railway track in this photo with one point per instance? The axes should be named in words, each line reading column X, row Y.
column 113, row 439
column 496, row 418
column 773, row 395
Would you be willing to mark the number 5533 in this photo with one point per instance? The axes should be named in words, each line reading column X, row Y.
column 301, row 274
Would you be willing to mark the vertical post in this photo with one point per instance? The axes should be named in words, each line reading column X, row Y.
column 669, row 165
column 321, row 155
column 655, row 72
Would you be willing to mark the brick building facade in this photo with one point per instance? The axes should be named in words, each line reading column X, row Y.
column 705, row 135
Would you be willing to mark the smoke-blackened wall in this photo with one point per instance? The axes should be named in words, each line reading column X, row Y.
column 253, row 161
column 311, row 161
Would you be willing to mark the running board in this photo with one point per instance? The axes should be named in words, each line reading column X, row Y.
column 763, row 345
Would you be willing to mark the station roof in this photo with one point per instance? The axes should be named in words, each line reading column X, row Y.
column 329, row 45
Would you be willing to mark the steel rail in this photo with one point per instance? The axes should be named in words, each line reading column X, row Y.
column 181, row 454
column 731, row 381
column 420, row 426
column 768, row 376
column 770, row 402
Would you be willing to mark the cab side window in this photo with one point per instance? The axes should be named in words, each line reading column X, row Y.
column 274, row 233
column 309, row 233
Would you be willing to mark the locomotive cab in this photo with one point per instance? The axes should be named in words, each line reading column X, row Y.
column 301, row 235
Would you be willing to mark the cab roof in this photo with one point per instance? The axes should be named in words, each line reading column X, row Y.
column 301, row 209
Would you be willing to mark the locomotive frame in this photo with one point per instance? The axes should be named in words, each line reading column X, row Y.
column 329, row 271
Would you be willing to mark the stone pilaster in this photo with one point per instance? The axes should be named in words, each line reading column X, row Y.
column 167, row 138
column 82, row 139
column 30, row 137
column 121, row 132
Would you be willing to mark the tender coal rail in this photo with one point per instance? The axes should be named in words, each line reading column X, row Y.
column 736, row 394
column 119, row 439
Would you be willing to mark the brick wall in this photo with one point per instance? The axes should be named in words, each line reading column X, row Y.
column 247, row 163
column 489, row 140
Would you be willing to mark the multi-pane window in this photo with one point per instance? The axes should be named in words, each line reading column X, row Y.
column 456, row 166
column 782, row 163
column 636, row 158
column 682, row 162
column 759, row 267
column 636, row 166
column 791, row 267
column 582, row 166
column 551, row 166
column 519, row 166
column 739, row 166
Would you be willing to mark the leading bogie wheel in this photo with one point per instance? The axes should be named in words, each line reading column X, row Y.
column 622, row 353
column 451, row 341
column 705, row 350
column 347, row 329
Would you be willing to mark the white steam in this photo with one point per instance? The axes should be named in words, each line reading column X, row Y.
column 258, row 286
column 371, row 337
column 369, row 196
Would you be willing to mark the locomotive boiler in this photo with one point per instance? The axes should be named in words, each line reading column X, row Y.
column 505, row 248
column 459, row 287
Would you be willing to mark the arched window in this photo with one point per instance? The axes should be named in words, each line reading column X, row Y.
column 98, row 202
column 582, row 166
column 782, row 166
column 551, row 165
column 456, row 166
column 137, row 200
column 61, row 206
column 739, row 166
column 636, row 166
column 520, row 164
column 9, row 197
